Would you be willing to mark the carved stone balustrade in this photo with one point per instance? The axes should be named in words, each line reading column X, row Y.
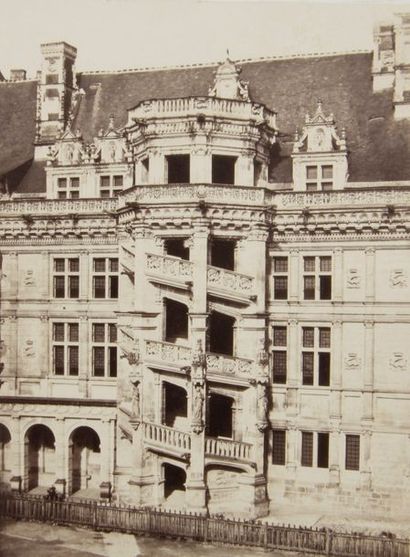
column 167, row 353
column 225, row 283
column 219, row 364
column 189, row 193
column 58, row 206
column 353, row 197
column 169, row 269
column 210, row 106
column 162, row 437
column 228, row 449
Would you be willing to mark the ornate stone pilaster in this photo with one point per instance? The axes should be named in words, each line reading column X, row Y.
column 336, row 367
column 365, row 468
column 337, row 275
column 370, row 274
column 368, row 378
column 294, row 275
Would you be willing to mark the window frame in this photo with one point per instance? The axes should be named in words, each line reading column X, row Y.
column 109, row 347
column 111, row 188
column 68, row 189
column 316, row 349
column 277, row 349
column 107, row 274
column 318, row 275
column 320, row 181
column 67, row 275
column 277, row 275
column 357, row 456
column 314, row 456
column 67, row 346
column 279, row 458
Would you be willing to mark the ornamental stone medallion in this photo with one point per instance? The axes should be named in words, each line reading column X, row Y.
column 398, row 278
column 353, row 278
column 352, row 361
column 398, row 362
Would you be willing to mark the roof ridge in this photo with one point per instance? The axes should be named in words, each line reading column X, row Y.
column 239, row 61
column 8, row 81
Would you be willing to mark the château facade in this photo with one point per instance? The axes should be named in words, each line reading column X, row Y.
column 204, row 289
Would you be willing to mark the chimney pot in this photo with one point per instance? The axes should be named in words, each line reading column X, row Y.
column 17, row 75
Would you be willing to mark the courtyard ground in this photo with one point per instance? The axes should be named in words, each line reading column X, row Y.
column 30, row 539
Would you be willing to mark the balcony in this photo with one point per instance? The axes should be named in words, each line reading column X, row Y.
column 212, row 106
column 166, row 355
column 166, row 439
column 167, row 269
column 230, row 284
column 228, row 450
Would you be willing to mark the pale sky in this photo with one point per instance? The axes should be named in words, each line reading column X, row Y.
column 120, row 34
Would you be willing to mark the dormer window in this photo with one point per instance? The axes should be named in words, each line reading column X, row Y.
column 68, row 188
column 110, row 186
column 319, row 177
column 319, row 155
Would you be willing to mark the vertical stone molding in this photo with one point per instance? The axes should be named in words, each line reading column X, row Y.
column 370, row 274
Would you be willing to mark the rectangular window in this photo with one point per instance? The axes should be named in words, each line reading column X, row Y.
column 65, row 348
column 110, row 186
column 105, row 277
column 280, row 278
column 307, row 448
column 279, row 446
column 315, row 449
column 323, row 450
column 352, row 460
column 104, row 350
column 279, row 354
column 319, row 177
column 68, row 188
column 317, row 278
column 66, row 277
column 316, row 356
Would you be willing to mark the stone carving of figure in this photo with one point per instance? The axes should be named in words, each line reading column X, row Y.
column 136, row 403
column 262, row 409
column 198, row 409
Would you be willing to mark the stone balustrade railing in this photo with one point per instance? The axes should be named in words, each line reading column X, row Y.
column 223, row 279
column 219, row 364
column 189, row 193
column 169, row 266
column 226, row 448
column 228, row 365
column 168, row 436
column 58, row 206
column 348, row 198
column 205, row 105
column 168, row 352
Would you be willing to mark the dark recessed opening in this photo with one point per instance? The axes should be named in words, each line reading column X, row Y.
column 323, row 450
column 176, row 321
column 221, row 333
column 174, row 404
column 220, row 416
column 177, row 248
column 178, row 169
column 175, row 479
column 223, row 169
column 222, row 254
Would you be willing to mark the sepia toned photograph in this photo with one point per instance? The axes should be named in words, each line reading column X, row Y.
column 204, row 278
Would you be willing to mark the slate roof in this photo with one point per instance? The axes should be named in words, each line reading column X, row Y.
column 379, row 146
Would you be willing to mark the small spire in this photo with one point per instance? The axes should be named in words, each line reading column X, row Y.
column 111, row 123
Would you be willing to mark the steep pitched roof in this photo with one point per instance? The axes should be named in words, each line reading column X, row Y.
column 379, row 146
column 17, row 123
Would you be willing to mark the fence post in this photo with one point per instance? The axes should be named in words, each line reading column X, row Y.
column 265, row 535
column 329, row 535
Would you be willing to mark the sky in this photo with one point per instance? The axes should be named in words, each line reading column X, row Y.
column 121, row 34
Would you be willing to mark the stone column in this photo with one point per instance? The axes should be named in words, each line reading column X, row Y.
column 365, row 468
column 45, row 356
column 244, row 170
column 336, row 371
column 337, row 275
column 368, row 383
column 107, row 450
column 17, row 448
column 13, row 346
column 156, row 167
column 45, row 290
column 292, row 450
column 13, row 277
column 334, row 458
column 370, row 275
column 60, row 451
column 201, row 165
column 85, row 262
column 294, row 275
column 84, row 357
column 293, row 368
